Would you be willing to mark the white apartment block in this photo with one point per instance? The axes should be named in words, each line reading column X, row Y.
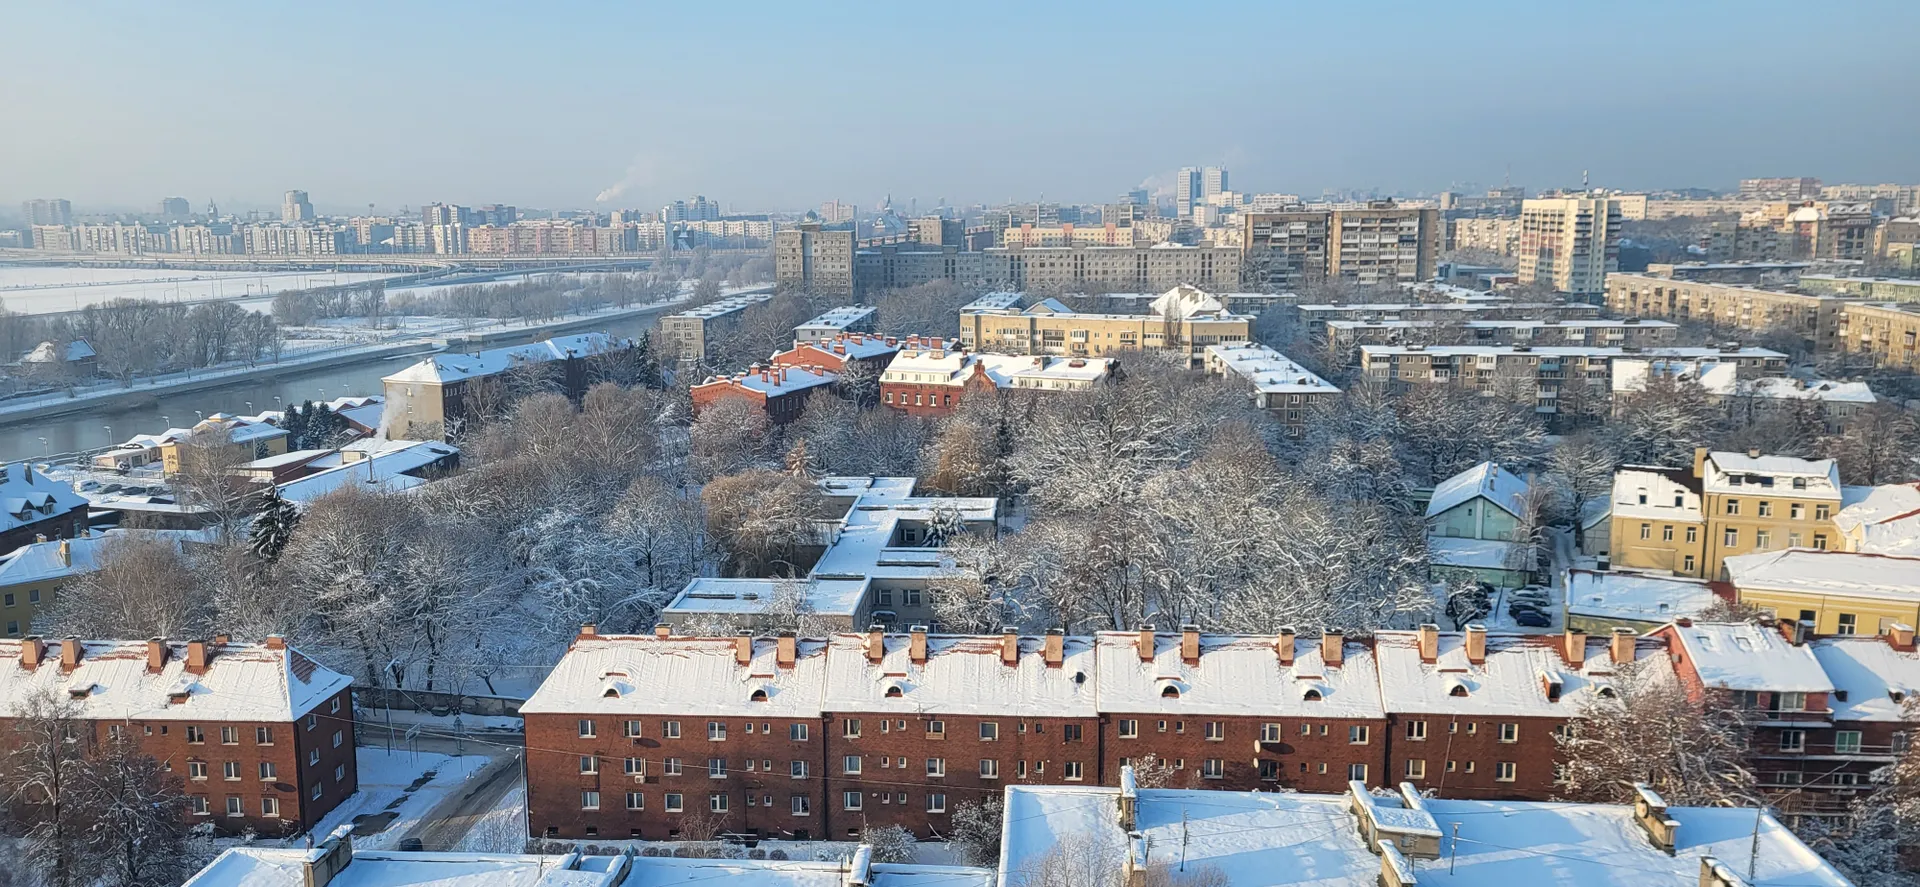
column 1571, row 243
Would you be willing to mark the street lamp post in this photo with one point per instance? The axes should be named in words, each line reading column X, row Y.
column 44, row 451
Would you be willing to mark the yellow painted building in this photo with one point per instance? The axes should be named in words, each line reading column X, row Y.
column 246, row 440
column 1689, row 522
column 1840, row 592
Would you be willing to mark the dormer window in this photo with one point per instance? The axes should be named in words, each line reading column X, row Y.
column 1799, row 483
column 758, row 696
column 1608, row 693
column 1170, row 692
column 894, row 692
column 610, row 693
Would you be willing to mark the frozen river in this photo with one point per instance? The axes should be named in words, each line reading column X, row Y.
column 42, row 290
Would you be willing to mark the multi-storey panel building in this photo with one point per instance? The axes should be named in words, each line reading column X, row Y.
column 1887, row 333
column 1285, row 250
column 1815, row 318
column 1183, row 320
column 1384, row 242
column 1281, row 386
column 1543, row 375
column 1569, row 243
column 688, row 332
column 813, row 259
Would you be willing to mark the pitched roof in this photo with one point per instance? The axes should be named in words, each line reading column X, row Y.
column 1236, row 675
column 1810, row 571
column 42, row 561
column 27, row 496
column 1510, row 680
column 454, row 367
column 1877, row 680
column 1883, row 519
column 962, row 675
column 1741, row 656
column 1488, row 479
column 643, row 674
column 243, row 682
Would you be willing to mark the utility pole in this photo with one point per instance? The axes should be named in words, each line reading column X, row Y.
column 1183, row 838
column 1453, row 854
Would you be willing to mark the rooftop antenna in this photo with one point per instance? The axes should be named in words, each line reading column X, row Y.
column 1583, row 180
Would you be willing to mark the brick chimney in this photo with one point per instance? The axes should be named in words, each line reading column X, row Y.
column 1333, row 646
column 1573, row 647
column 588, row 632
column 198, row 657
column 1054, row 651
column 69, row 654
column 1009, row 646
column 1284, row 645
column 276, row 642
column 1900, row 637
column 1429, row 642
column 156, row 655
column 323, row 863
column 917, row 644
column 32, row 650
column 1190, row 644
column 1621, row 646
column 876, row 643
column 743, row 647
column 1143, row 644
column 1796, row 631
column 1476, row 643
column 66, row 553
column 786, row 649
column 662, row 631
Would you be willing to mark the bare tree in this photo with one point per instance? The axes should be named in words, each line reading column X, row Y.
column 138, row 812
column 1879, row 445
column 764, row 522
column 47, row 749
column 1647, row 730
column 143, row 586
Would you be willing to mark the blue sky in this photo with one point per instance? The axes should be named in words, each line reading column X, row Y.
column 784, row 105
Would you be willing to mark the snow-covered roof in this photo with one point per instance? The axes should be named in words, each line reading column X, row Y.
column 454, row 367
column 1883, row 519
column 1816, row 572
column 366, row 415
column 839, row 318
column 27, row 496
column 242, row 682
column 1048, row 305
column 853, row 346
column 1186, row 301
column 1510, row 680
column 994, row 302
column 1268, row 370
column 1743, row 656
column 1310, row 840
column 954, row 367
column 1761, row 474
column 1800, row 389
column 1639, row 597
column 726, row 306
column 1716, row 376
column 48, row 352
column 1587, row 351
column 1661, row 485
column 1477, row 554
column 1236, row 675
column 772, row 381
column 282, row 460
column 259, row 866
column 1872, row 680
column 388, row 468
column 962, row 675
column 644, row 674
column 1487, row 480
column 43, row 561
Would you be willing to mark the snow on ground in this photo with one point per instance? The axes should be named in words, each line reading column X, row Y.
column 500, row 830
column 403, row 784
column 40, row 290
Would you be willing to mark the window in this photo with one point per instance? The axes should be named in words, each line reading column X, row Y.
column 670, row 767
column 717, row 802
column 716, row 731
column 636, row 801
column 716, row 768
column 801, row 805
column 195, row 734
column 850, row 764
column 850, row 728
column 989, row 731
column 1354, row 771
column 632, row 730
column 1733, row 506
column 797, row 732
column 1790, row 701
column 936, row 729
column 1731, row 538
column 1848, row 622
column 1796, row 511
column 797, row 769
column 1687, row 563
column 317, row 789
column 1070, row 732
column 589, row 764
column 1846, row 742
column 1416, row 769
column 196, row 769
column 936, row 802
column 313, row 757
column 339, row 736
column 230, row 770
column 936, row 766
column 1269, row 771
column 989, row 768
column 1216, row 731
column 1762, row 539
column 1129, row 729
column 1693, row 534
column 199, row 806
column 1358, row 734
column 1269, row 732
column 1503, row 771
column 1417, row 731
column 1646, row 531
column 233, row 807
column 635, row 767
column 1822, row 512
column 229, row 735
column 263, row 736
column 1213, row 768
column 1793, row 740
column 670, row 729
column 1666, row 533
column 1074, row 771
column 851, row 800
column 586, row 728
column 1820, row 541
column 268, row 772
column 1509, row 732
column 674, row 802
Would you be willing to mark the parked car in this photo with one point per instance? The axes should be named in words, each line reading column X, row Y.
column 1532, row 619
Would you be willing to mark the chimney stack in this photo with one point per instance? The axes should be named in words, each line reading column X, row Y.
column 786, row 649
column 69, row 654
column 1621, row 646
column 1796, row 631
column 66, row 553
column 1284, row 645
column 325, row 862
column 588, row 632
column 1333, row 646
column 743, row 647
column 222, row 639
column 1143, row 645
column 197, row 657
column 156, row 655
column 1429, row 642
column 1476, row 643
column 1009, row 646
column 1190, row 644
column 1055, row 649
column 917, row 644
column 662, row 631
column 1900, row 637
column 31, row 652
column 876, row 643
column 1573, row 647
column 276, row 642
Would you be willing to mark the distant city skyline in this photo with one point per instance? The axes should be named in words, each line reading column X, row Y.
column 787, row 107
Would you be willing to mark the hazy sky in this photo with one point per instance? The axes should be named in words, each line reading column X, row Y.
column 787, row 104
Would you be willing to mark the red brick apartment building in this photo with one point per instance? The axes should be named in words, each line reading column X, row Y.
column 934, row 379
column 260, row 734
column 779, row 391
column 833, row 355
column 1241, row 713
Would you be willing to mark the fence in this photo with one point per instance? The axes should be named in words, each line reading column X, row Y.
column 436, row 703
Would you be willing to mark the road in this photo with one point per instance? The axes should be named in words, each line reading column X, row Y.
column 456, row 814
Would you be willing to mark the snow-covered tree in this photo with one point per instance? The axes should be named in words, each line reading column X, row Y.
column 762, row 522
column 137, row 812
column 1647, row 730
column 1872, row 844
column 1879, row 445
column 272, row 527
column 1446, row 429
column 1663, row 423
column 142, row 587
column 730, row 435
column 890, row 843
column 975, row 836
column 46, row 750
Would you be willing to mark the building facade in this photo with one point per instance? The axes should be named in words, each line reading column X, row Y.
column 688, row 332
column 1569, row 243
column 1814, row 318
column 812, row 259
